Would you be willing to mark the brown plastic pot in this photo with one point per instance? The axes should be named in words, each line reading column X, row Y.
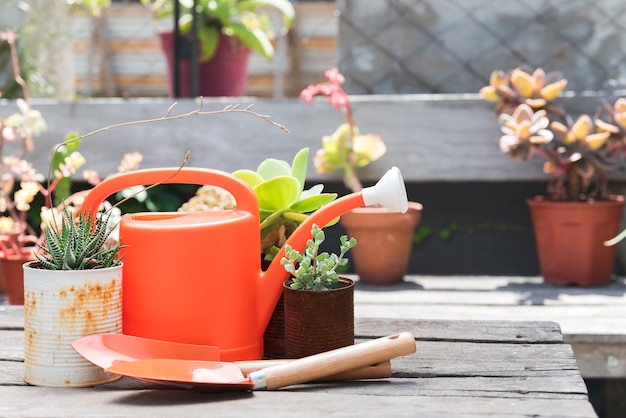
column 318, row 320
column 384, row 241
column 570, row 239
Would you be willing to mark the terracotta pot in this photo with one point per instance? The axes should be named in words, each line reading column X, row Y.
column 384, row 242
column 570, row 236
column 318, row 320
column 225, row 74
column 60, row 307
column 13, row 274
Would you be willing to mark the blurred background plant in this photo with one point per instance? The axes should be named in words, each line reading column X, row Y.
column 346, row 149
column 20, row 184
column 245, row 20
column 578, row 151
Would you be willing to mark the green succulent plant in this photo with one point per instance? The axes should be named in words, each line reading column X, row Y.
column 79, row 245
column 283, row 202
column 312, row 270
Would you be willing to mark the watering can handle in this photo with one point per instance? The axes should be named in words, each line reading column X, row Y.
column 244, row 196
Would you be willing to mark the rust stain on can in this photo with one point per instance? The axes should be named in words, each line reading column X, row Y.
column 85, row 298
column 30, row 305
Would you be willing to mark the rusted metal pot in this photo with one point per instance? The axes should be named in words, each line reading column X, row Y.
column 60, row 307
column 318, row 320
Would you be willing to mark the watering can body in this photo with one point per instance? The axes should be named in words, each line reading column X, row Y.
column 190, row 277
column 196, row 277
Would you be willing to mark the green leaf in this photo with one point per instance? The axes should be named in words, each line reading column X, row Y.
column 248, row 176
column 277, row 193
column 254, row 38
column 315, row 190
column 271, row 167
column 312, row 203
column 208, row 37
column 284, row 6
column 299, row 166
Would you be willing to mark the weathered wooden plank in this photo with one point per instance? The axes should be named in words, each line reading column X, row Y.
column 421, row 140
column 12, row 346
column 11, row 317
column 540, row 386
column 165, row 403
column 476, row 331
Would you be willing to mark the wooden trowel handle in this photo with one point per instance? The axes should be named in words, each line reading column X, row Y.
column 321, row 365
column 379, row 370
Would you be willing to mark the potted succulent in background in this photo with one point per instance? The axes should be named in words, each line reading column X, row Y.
column 228, row 31
column 73, row 289
column 385, row 237
column 17, row 132
column 578, row 213
column 318, row 304
column 18, row 219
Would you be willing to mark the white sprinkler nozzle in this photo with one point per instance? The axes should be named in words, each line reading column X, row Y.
column 389, row 191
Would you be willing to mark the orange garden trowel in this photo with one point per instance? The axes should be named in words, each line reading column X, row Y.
column 106, row 349
column 215, row 376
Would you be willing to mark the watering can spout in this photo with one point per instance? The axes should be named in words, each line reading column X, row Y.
column 389, row 192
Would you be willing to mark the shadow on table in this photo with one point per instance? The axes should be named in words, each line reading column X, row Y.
column 169, row 397
column 405, row 285
column 538, row 293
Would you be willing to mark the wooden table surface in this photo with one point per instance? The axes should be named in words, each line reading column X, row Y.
column 592, row 319
column 460, row 369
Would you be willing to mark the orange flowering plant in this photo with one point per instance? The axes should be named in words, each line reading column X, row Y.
column 578, row 151
column 345, row 149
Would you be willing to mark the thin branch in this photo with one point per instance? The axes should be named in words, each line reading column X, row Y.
column 169, row 117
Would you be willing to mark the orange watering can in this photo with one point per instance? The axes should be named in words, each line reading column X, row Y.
column 195, row 277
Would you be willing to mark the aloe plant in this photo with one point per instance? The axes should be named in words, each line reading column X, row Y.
column 79, row 245
column 312, row 270
column 283, row 202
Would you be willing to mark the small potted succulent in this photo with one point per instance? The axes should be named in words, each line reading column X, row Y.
column 318, row 304
column 73, row 289
column 228, row 31
column 578, row 213
column 385, row 237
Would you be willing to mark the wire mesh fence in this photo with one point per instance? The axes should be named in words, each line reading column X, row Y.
column 452, row 46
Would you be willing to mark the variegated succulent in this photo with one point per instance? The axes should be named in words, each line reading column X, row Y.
column 521, row 85
column 578, row 151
